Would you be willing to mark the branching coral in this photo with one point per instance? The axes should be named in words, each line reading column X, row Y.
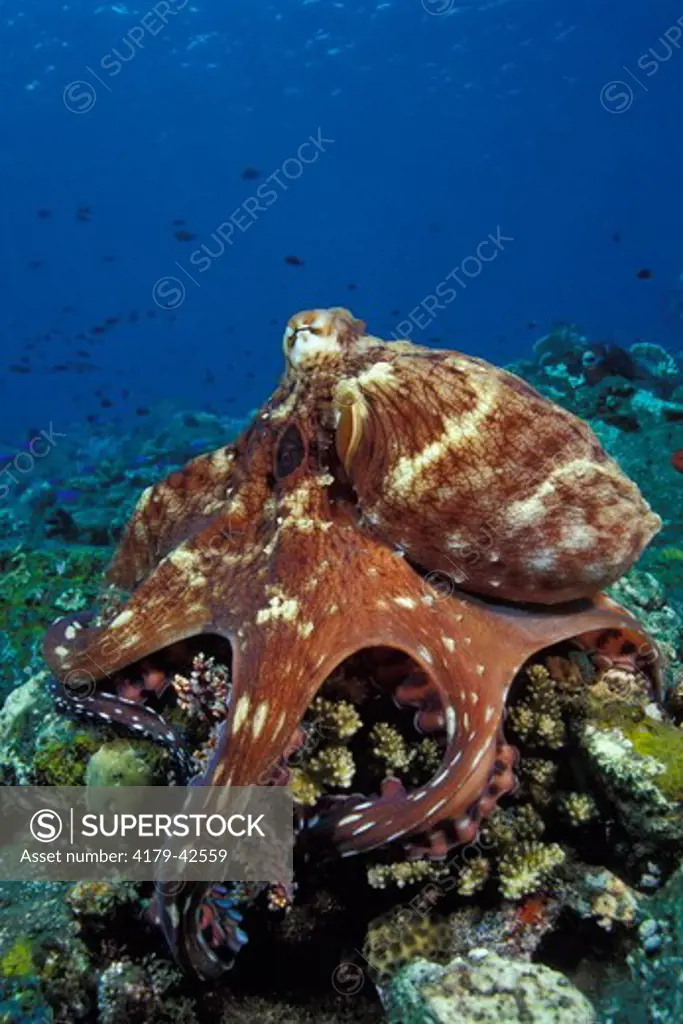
column 538, row 777
column 537, row 718
column 525, row 869
column 205, row 693
column 333, row 766
column 473, row 876
column 389, row 747
column 577, row 808
column 403, row 873
column 338, row 718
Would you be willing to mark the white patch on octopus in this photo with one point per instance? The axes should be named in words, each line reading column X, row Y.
column 241, row 712
column 363, row 828
column 259, row 720
column 121, row 619
column 349, row 819
column 424, row 654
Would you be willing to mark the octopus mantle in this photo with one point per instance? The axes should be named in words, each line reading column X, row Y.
column 377, row 472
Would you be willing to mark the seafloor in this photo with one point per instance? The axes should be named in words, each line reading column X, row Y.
column 571, row 909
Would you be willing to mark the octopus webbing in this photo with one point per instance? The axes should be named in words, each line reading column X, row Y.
column 376, row 471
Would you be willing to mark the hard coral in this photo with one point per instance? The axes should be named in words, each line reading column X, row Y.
column 392, row 942
column 404, row 873
column 526, row 869
column 537, row 718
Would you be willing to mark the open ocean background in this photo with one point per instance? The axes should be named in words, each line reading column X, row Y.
column 449, row 121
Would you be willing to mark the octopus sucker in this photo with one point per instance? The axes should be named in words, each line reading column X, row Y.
column 375, row 470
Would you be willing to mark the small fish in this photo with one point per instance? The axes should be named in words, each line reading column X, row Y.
column 250, row 173
column 106, row 403
column 616, row 236
column 677, row 460
column 532, row 325
column 352, row 287
column 644, row 275
column 44, row 213
column 35, row 264
column 184, row 236
column 178, row 222
column 141, row 411
column 97, row 330
column 111, row 319
column 19, row 369
column 108, row 259
column 83, row 213
column 294, row 261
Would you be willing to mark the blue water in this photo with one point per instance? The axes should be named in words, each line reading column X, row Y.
column 446, row 122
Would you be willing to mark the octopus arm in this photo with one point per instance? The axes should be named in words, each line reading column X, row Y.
column 170, row 605
column 465, row 651
column 475, row 651
column 169, row 512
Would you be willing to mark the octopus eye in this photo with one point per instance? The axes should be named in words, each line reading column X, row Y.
column 290, row 452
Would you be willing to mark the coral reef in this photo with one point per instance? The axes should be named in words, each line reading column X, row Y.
column 649, row 991
column 35, row 585
column 571, row 868
column 141, row 992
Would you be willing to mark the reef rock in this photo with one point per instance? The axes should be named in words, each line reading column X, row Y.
column 483, row 987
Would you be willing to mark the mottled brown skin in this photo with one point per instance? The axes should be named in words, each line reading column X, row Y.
column 375, row 471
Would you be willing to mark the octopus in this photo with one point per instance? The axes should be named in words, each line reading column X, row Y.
column 390, row 498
